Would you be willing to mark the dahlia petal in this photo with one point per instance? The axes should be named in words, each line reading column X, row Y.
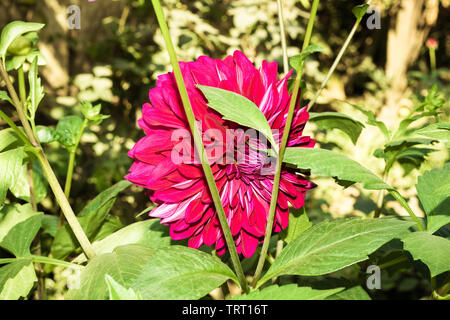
column 248, row 244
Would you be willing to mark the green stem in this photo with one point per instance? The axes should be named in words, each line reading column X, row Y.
column 380, row 198
column 31, row 184
column 283, row 36
column 405, row 205
column 48, row 171
column 279, row 163
column 336, row 61
column 199, row 145
column 42, row 259
column 286, row 70
column 22, row 90
column 65, row 206
column 15, row 128
column 71, row 165
column 432, row 52
column 18, row 105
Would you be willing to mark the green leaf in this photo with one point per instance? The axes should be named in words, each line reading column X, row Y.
column 20, row 46
column 19, row 225
column 124, row 264
column 413, row 158
column 15, row 63
column 36, row 54
column 434, row 101
column 46, row 134
column 91, row 219
column 298, row 223
column 36, row 89
column 433, row 190
column 333, row 245
column 354, row 293
column 118, row 292
column 50, row 224
column 432, row 250
column 335, row 120
column 288, row 292
column 92, row 113
column 67, row 130
column 439, row 131
column 21, row 189
column 8, row 138
column 176, row 273
column 371, row 120
column 10, row 164
column 105, row 199
column 17, row 279
column 239, row 109
column 12, row 31
column 360, row 11
column 296, row 62
column 393, row 148
column 331, row 164
column 149, row 233
column 4, row 96
column 108, row 227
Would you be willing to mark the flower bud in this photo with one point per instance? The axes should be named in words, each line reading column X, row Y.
column 20, row 46
column 432, row 43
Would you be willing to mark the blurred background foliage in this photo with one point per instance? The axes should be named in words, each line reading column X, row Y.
column 116, row 56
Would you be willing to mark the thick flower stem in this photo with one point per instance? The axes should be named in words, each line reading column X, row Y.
column 48, row 171
column 65, row 206
column 199, row 145
column 279, row 163
column 336, row 61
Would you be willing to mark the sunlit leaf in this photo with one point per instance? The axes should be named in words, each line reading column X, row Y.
column 36, row 89
column 18, row 227
column 296, row 62
column 177, row 272
column 118, row 292
column 4, row 96
column 360, row 11
column 21, row 188
column 439, row 131
column 68, row 129
column 13, row 30
column 17, row 279
column 298, row 223
column 239, row 109
column 433, row 190
column 331, row 164
column 432, row 250
column 10, row 164
column 124, row 264
column 332, row 245
column 149, row 233
column 335, row 120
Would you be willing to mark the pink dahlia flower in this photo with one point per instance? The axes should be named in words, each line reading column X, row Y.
column 245, row 187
